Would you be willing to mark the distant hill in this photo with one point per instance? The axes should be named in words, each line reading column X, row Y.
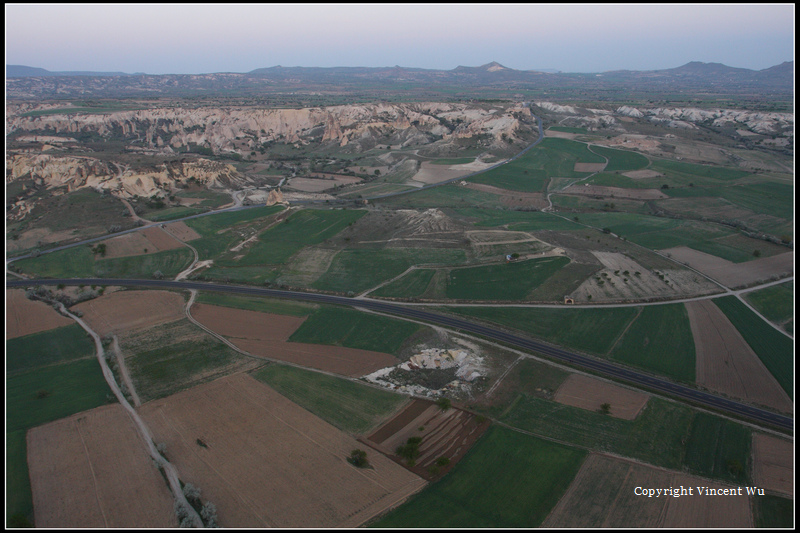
column 21, row 71
column 493, row 78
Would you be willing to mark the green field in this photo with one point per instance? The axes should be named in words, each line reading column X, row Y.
column 776, row 302
column 774, row 349
column 659, row 340
column 348, row 405
column 254, row 303
column 655, row 436
column 80, row 262
column 19, row 501
column 360, row 269
column 621, row 160
column 773, row 511
column 59, row 345
column 505, row 281
column 719, row 448
column 169, row 358
column 215, row 240
column 303, row 228
column 516, row 220
column 589, row 330
column 171, row 213
column 552, row 158
column 412, row 285
column 337, row 326
column 451, row 195
column 507, row 480
column 52, row 392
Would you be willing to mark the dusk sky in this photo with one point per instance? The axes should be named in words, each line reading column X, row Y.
column 181, row 39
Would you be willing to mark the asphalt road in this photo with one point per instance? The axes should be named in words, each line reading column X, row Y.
column 524, row 343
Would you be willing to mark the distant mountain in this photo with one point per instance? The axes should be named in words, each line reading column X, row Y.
column 21, row 71
column 466, row 82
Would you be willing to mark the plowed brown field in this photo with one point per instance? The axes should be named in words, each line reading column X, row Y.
column 129, row 310
column 91, row 470
column 266, row 335
column 24, row 316
column 147, row 241
column 445, row 433
column 590, row 393
column 266, row 462
column 773, row 460
column 603, row 494
column 725, row 362
column 182, row 231
column 589, row 167
column 734, row 274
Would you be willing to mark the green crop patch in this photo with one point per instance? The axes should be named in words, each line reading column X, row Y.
column 49, row 393
column 80, row 262
column 412, row 285
column 215, row 229
column 59, row 345
column 348, row 405
column 552, row 158
column 774, row 349
column 776, row 302
column 506, row 281
column 354, row 329
column 660, row 340
column 356, row 270
column 451, row 195
column 656, row 436
column 254, row 303
column 516, row 220
column 719, row 448
column 19, row 500
column 507, row 480
column 589, row 330
column 303, row 228
column 692, row 170
column 621, row 160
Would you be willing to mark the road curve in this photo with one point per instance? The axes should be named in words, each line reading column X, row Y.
column 518, row 341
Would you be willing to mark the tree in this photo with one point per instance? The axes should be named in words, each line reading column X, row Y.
column 605, row 408
column 756, row 253
column 358, row 458
column 444, row 403
column 209, row 514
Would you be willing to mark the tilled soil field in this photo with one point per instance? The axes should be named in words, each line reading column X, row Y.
column 266, row 335
column 773, row 460
column 129, row 310
column 725, row 362
column 91, row 470
column 266, row 462
column 182, row 231
column 445, row 433
column 734, row 274
column 589, row 393
column 147, row 241
column 24, row 316
column 589, row 167
column 604, row 494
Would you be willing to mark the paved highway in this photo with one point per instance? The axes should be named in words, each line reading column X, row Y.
column 517, row 341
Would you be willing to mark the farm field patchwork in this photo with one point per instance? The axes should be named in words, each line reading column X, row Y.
column 347, row 405
column 91, row 470
column 773, row 348
column 266, row 335
column 311, row 484
column 725, row 362
column 732, row 274
column 508, row 479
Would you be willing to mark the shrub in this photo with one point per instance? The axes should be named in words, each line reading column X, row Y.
column 444, row 403
column 358, row 458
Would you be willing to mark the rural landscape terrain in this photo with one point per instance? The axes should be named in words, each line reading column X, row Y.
column 394, row 298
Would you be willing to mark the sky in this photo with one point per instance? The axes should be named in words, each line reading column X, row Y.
column 205, row 38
